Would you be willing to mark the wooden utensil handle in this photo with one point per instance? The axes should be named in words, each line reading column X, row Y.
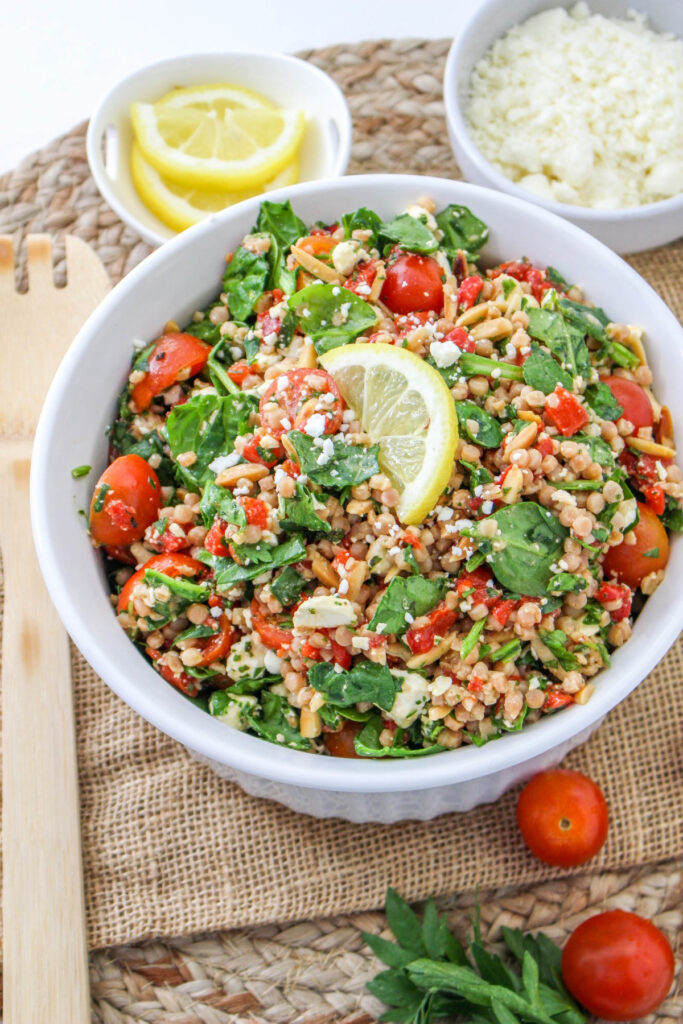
column 45, row 956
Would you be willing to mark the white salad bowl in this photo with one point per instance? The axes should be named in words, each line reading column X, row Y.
column 183, row 276
column 624, row 230
column 286, row 81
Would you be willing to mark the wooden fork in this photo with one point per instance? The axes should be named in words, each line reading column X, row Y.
column 45, row 955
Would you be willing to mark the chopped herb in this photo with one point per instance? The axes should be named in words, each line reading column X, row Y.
column 79, row 471
column 102, row 492
column 470, row 640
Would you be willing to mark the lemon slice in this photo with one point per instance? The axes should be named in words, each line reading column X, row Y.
column 406, row 408
column 218, row 137
column 179, row 207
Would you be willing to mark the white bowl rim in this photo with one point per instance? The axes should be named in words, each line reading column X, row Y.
column 456, row 120
column 248, row 753
column 95, row 128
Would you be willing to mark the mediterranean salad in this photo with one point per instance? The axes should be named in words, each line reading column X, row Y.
column 379, row 499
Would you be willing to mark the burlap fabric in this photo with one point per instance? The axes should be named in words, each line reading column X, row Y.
column 171, row 849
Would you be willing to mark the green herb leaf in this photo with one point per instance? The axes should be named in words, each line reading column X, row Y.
column 563, row 340
column 412, row 595
column 365, row 681
column 349, row 465
column 100, row 496
column 244, row 281
column 331, row 315
column 218, row 501
column 262, row 558
column 461, row 230
column 489, row 433
column 206, row 425
column 78, row 471
column 298, row 513
column 472, row 365
column 566, row 583
column 598, row 449
column 542, row 371
column 590, row 320
column 472, row 637
column 280, row 221
column 362, row 220
column 178, row 585
column 288, row 586
column 556, row 641
column 367, row 743
column 532, row 540
column 602, row 401
column 274, row 723
column 409, row 233
column 507, row 652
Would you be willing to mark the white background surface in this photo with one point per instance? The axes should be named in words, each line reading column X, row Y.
column 59, row 59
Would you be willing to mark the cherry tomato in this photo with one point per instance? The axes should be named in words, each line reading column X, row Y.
column 125, row 501
column 362, row 278
column 271, row 634
column 254, row 451
column 171, row 564
column 297, row 395
column 618, row 965
column 215, row 541
column 214, row 648
column 341, row 744
column 633, row 400
column 182, row 681
column 413, row 283
column 563, row 817
column 631, row 563
column 174, row 357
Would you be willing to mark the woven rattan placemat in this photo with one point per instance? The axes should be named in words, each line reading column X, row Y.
column 171, row 849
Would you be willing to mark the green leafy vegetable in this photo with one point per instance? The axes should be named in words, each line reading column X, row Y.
column 412, row 595
column 206, row 425
column 471, row 365
column 507, row 652
column 566, row 583
column 205, row 329
column 262, row 558
column 275, row 722
column 529, row 541
column 362, row 220
column 102, row 492
column 489, row 433
column 410, row 233
column 461, row 230
column 331, row 315
column 556, row 277
column 602, row 401
column 365, row 681
column 367, row 743
column 590, row 320
column 218, row 501
column 287, row 586
column 543, row 372
column 244, row 281
column 563, row 340
column 598, row 449
column 556, row 641
column 349, row 465
column 298, row 513
column 672, row 517
column 280, row 221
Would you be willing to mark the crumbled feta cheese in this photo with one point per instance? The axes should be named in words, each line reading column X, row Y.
column 410, row 700
column 224, row 462
column 444, row 353
column 463, row 524
column 487, row 507
column 315, row 425
column 345, row 256
column 445, row 513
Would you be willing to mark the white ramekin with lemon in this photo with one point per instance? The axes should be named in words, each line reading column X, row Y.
column 182, row 139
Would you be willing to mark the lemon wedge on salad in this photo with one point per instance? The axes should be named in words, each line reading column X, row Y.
column 181, row 206
column 405, row 407
column 220, row 137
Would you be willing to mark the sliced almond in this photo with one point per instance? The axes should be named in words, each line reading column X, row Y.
column 664, row 432
column 251, row 471
column 644, row 444
column 316, row 267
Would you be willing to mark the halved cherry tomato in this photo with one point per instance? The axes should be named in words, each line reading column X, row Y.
column 631, row 563
column 618, row 965
column 296, row 396
column 412, row 283
column 633, row 400
column 617, row 594
column 254, row 451
column 125, row 501
column 563, row 817
column 362, row 279
column 182, row 681
column 239, row 371
column 469, row 291
column 214, row 648
column 257, row 511
column 271, row 634
column 341, row 744
column 421, row 638
column 174, row 357
column 522, row 270
column 171, row 564
column 215, row 541
column 119, row 554
column 568, row 415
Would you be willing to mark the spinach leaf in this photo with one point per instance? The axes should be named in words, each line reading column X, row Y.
column 349, row 466
column 566, row 583
column 556, row 277
column 602, row 401
column 298, row 513
column 479, row 475
column 287, row 586
column 489, row 434
column 205, row 329
column 461, row 230
column 244, row 281
column 672, row 517
column 362, row 220
column 280, row 221
column 365, row 681
column 598, row 449
column 218, row 501
column 367, row 743
column 262, row 558
column 410, row 233
column 206, row 425
column 148, row 445
column 331, row 315
column 414, row 595
column 590, row 320
column 563, row 340
column 220, row 358
column 532, row 541
column 556, row 642
column 543, row 372
column 274, row 722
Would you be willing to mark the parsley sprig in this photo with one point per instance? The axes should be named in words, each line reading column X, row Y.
column 433, row 976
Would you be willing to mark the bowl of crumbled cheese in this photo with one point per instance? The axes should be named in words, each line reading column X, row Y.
column 577, row 107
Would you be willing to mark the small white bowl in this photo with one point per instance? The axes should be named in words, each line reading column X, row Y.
column 287, row 81
column 625, row 230
column 184, row 275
